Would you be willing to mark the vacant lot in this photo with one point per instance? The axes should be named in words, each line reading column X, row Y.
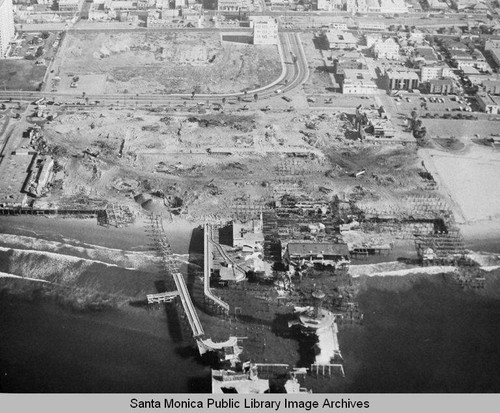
column 20, row 75
column 445, row 128
column 472, row 180
column 164, row 63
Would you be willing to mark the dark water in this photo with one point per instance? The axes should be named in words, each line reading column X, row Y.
column 421, row 334
column 44, row 348
column 424, row 335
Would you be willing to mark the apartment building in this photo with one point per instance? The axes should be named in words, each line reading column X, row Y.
column 387, row 49
column 7, row 30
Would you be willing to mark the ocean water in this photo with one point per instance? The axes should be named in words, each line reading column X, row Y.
column 423, row 334
column 45, row 349
column 420, row 333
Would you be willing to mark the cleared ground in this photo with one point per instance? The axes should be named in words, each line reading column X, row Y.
column 445, row 128
column 207, row 163
column 472, row 180
column 20, row 75
column 157, row 62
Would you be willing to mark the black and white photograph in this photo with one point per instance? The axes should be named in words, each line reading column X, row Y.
column 250, row 197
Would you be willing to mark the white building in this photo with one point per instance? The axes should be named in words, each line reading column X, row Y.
column 70, row 5
column 351, row 6
column 393, row 6
column 373, row 6
column 372, row 26
column 372, row 38
column 7, row 30
column 230, row 5
column 265, row 30
column 435, row 72
column 340, row 40
column 362, row 6
column 329, row 5
column 358, row 82
column 387, row 49
column 488, row 103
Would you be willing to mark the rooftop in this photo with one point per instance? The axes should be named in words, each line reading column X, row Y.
column 13, row 174
column 325, row 248
column 489, row 99
column 402, row 74
column 445, row 81
column 334, row 36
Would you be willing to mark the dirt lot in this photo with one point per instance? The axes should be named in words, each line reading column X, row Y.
column 204, row 164
column 445, row 128
column 319, row 79
column 20, row 75
column 471, row 179
column 163, row 63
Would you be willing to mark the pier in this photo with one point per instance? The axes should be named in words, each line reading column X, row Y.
column 209, row 295
column 170, row 267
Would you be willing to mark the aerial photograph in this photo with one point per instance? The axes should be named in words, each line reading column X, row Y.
column 250, row 196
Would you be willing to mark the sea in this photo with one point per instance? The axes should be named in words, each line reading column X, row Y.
column 420, row 333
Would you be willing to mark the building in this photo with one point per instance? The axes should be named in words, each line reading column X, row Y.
column 380, row 128
column 337, row 26
column 337, row 39
column 441, row 86
column 122, row 5
column 7, row 30
column 362, row 6
column 436, row 5
column 230, row 5
column 14, row 170
column 265, row 30
column 488, row 103
column 372, row 38
column 451, row 45
column 491, row 86
column 495, row 55
column 425, row 56
column 435, row 72
column 329, row 5
column 393, row 7
column 373, row 6
column 469, row 5
column 492, row 43
column 387, row 49
column 349, row 61
column 248, row 235
column 357, row 82
column 374, row 26
column 351, row 6
column 70, row 5
column 401, row 80
column 39, row 176
column 324, row 253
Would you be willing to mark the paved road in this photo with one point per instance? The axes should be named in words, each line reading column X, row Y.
column 296, row 73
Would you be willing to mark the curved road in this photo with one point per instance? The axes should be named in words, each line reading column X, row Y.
column 296, row 73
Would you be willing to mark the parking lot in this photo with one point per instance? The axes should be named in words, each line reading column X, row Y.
column 337, row 100
column 433, row 103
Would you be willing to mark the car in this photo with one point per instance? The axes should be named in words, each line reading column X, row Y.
column 286, row 98
column 278, row 91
